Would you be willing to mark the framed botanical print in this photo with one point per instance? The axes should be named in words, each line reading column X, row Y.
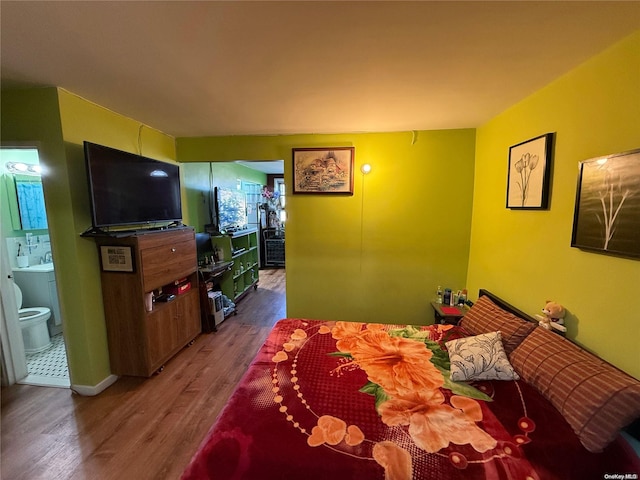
column 607, row 212
column 529, row 173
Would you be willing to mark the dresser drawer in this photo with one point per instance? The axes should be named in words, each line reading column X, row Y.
column 164, row 264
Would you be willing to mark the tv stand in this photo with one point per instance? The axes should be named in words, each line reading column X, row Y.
column 143, row 335
column 94, row 232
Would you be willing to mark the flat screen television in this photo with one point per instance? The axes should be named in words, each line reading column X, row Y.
column 231, row 208
column 131, row 190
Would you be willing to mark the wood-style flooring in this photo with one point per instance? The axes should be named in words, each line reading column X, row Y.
column 137, row 428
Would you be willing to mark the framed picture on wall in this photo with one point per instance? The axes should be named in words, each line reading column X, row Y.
column 607, row 212
column 530, row 173
column 323, row 170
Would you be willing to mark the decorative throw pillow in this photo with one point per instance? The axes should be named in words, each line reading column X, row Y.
column 479, row 358
column 595, row 398
column 485, row 316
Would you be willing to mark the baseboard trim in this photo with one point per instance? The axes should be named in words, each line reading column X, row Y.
column 91, row 391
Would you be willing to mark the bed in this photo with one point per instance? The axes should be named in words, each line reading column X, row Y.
column 496, row 397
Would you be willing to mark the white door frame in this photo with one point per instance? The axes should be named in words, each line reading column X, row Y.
column 14, row 360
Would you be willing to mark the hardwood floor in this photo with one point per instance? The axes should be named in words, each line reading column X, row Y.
column 137, row 428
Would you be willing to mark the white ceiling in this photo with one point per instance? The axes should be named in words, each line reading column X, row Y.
column 201, row 68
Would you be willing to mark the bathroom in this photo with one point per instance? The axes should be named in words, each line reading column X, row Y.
column 27, row 247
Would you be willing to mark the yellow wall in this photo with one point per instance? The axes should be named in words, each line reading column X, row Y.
column 380, row 254
column 84, row 321
column 525, row 256
column 59, row 122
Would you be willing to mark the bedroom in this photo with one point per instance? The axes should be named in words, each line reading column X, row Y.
column 591, row 109
column 590, row 128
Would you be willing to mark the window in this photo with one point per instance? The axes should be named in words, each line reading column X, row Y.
column 278, row 185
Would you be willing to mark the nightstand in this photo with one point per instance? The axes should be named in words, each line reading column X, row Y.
column 446, row 314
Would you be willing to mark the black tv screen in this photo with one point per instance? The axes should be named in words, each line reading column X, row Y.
column 128, row 189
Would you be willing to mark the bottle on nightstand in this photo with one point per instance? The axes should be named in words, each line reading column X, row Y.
column 447, row 296
column 463, row 297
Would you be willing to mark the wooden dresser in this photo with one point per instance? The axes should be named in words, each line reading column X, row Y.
column 141, row 340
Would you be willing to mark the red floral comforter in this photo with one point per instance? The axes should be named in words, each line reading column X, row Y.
column 337, row 400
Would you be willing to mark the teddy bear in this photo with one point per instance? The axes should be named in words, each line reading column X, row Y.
column 553, row 316
column 554, row 312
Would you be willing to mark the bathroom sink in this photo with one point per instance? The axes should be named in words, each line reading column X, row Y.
column 45, row 267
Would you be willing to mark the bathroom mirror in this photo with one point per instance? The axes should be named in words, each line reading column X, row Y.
column 30, row 202
column 22, row 187
column 26, row 209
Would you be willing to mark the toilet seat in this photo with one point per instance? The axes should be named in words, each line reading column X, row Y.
column 33, row 323
column 32, row 315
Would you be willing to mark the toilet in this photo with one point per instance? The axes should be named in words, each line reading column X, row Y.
column 33, row 323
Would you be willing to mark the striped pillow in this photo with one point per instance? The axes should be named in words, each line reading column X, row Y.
column 595, row 398
column 485, row 317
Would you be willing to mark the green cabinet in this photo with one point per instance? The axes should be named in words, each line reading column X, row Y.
column 242, row 249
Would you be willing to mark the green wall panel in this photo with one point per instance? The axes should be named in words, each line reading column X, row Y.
column 200, row 177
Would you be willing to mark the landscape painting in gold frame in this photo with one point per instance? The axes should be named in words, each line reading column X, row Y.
column 323, row 170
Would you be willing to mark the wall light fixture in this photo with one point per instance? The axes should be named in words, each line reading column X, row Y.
column 23, row 168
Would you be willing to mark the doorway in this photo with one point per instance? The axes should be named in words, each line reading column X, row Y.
column 272, row 212
column 33, row 353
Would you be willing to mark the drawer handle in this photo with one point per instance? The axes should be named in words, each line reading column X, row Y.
column 173, row 249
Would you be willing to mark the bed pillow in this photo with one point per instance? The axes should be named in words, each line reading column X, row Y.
column 595, row 398
column 485, row 316
column 481, row 357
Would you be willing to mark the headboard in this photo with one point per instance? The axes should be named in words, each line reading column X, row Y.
column 506, row 306
column 632, row 430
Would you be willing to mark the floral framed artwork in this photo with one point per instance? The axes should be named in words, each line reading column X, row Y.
column 323, row 170
column 530, row 173
column 607, row 211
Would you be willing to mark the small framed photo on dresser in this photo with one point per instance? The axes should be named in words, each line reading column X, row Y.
column 116, row 258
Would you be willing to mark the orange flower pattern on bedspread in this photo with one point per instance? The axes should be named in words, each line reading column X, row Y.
column 402, row 367
column 399, row 365
column 407, row 372
column 326, row 399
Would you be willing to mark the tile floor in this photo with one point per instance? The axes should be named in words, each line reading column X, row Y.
column 49, row 368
